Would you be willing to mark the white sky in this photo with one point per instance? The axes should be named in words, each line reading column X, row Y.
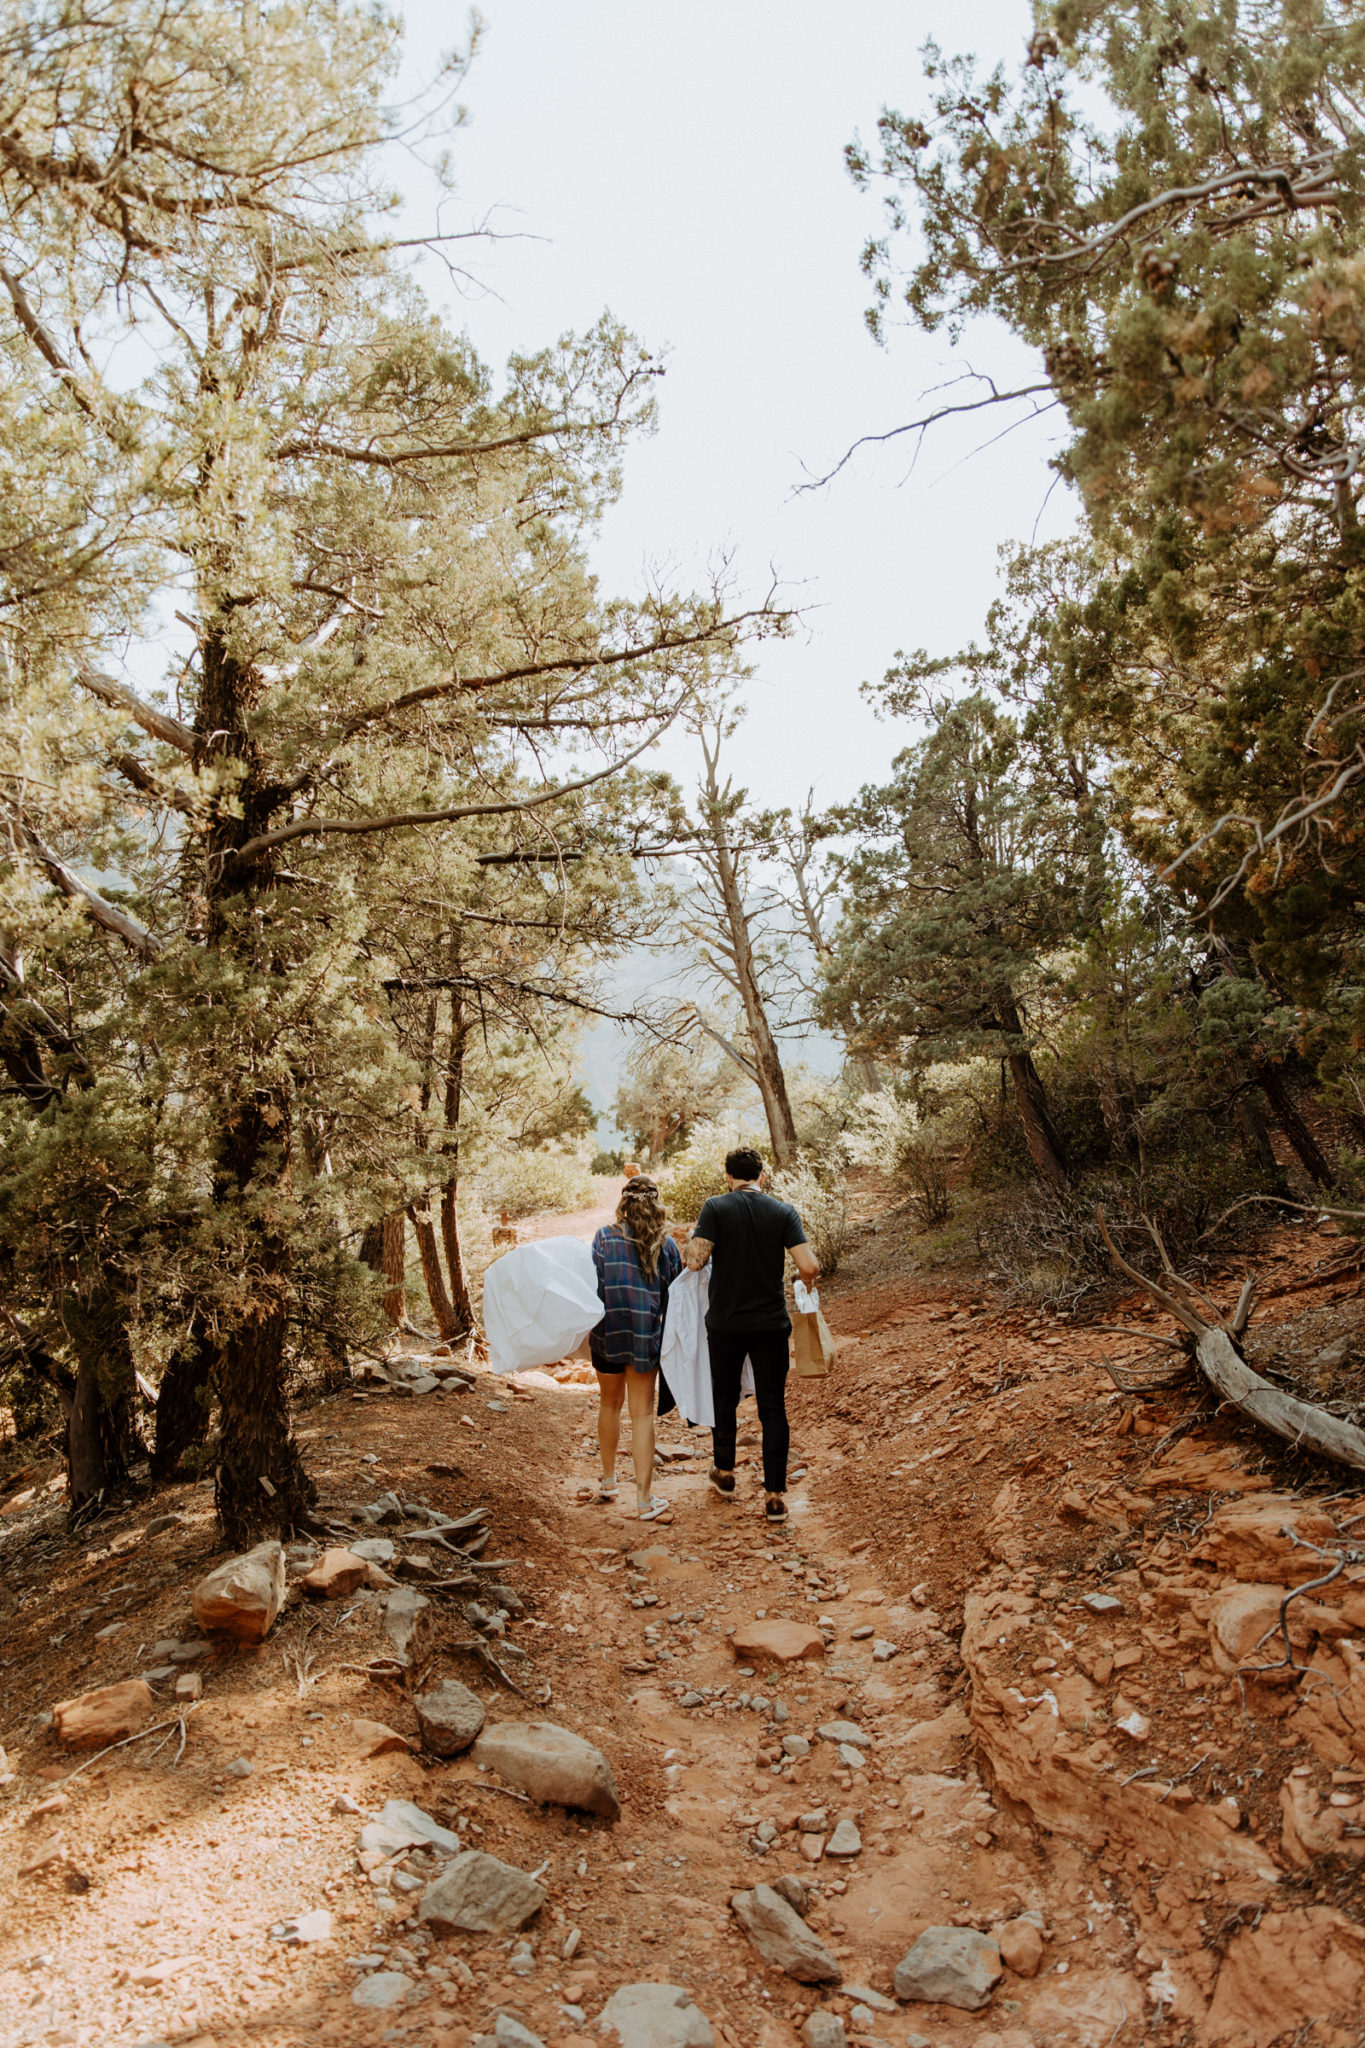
column 683, row 166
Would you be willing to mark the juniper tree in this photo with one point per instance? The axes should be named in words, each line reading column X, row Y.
column 246, row 415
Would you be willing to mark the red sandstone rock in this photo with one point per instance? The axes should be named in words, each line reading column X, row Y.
column 1291, row 1969
column 106, row 1715
column 785, row 1641
column 337, row 1573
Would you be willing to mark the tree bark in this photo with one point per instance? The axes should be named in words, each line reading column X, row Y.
column 441, row 1305
column 1040, row 1133
column 257, row 1444
column 182, row 1406
column 461, row 1304
column 101, row 1438
column 384, row 1248
column 1270, row 1080
column 1255, row 1136
column 768, row 1072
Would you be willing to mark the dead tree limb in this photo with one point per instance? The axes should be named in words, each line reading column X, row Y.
column 1218, row 1355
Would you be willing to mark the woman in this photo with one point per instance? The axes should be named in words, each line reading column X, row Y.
column 636, row 1260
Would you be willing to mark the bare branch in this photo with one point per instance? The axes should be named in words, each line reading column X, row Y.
column 98, row 908
column 159, row 724
column 308, row 828
column 931, row 419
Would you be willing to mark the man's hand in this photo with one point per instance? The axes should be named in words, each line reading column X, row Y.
column 804, row 1260
column 696, row 1252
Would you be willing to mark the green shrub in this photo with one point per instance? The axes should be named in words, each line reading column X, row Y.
column 527, row 1183
column 691, row 1184
column 607, row 1164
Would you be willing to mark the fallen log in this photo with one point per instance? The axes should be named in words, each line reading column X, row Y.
column 1217, row 1353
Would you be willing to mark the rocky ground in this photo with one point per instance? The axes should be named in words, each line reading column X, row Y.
column 975, row 1751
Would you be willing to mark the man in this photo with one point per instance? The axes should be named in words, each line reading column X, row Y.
column 746, row 1234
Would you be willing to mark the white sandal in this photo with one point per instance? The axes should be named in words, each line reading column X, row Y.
column 653, row 1508
column 607, row 1489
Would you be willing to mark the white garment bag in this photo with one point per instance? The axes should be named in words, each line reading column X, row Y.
column 539, row 1302
column 685, row 1361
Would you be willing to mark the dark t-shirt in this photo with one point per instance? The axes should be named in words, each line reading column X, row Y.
column 750, row 1232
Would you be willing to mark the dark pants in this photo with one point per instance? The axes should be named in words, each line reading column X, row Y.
column 767, row 1352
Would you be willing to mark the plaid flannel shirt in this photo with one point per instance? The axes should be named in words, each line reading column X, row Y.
column 632, row 1331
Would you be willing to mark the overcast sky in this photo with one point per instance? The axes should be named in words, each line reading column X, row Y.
column 682, row 165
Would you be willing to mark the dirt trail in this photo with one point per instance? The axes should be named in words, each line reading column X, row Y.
column 964, row 1490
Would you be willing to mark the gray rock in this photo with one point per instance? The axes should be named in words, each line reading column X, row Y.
column 883, row 1651
column 864, row 1994
column 240, row 1768
column 781, row 1712
column 498, row 1407
column 450, row 1716
column 157, row 1674
column 692, row 1699
column 427, row 1383
column 789, row 1887
column 550, row 1763
column 187, row 1653
column 655, row 2016
column 823, row 2030
column 374, row 1549
column 1101, row 1603
column 510, row 2033
column 383, row 1988
column 850, row 1757
column 402, row 1611
column 476, row 1894
column 845, row 1731
column 402, row 1814
column 796, row 1745
column 782, row 1937
column 845, row 1841
column 950, row 1966
column 159, row 1523
column 242, row 1596
column 814, row 1823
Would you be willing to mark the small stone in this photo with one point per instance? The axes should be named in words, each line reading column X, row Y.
column 883, row 1652
column 796, row 1745
column 785, row 1642
column 551, row 1764
column 189, row 1686
column 417, row 1826
column 655, row 2016
column 95, row 1719
column 510, row 2033
column 845, row 1732
column 384, row 1988
column 850, row 1757
column 188, row 1653
column 337, row 1574
column 102, row 1635
column 375, row 1549
column 402, row 1612
column 949, row 1966
column 845, row 1841
column 307, row 1927
column 242, row 1597
column 783, row 1938
column 157, row 1674
column 240, row 1767
column 1133, row 1724
column 343, row 1803
column 866, row 1996
column 376, row 1738
column 823, row 2029
column 498, row 1407
column 812, row 1847
column 862, row 1632
column 790, row 1888
column 1021, row 1947
column 1101, row 1603
column 478, row 1894
column 692, row 1699
column 160, row 1523
column 450, row 1717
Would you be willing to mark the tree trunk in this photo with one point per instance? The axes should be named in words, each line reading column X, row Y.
column 441, row 1305
column 182, row 1404
column 257, row 1445
column 460, row 1302
column 101, row 1439
column 384, row 1248
column 1256, row 1137
column 1269, row 1078
column 772, row 1081
column 1040, row 1133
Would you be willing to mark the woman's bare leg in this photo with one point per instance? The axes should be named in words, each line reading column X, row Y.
column 611, row 1394
column 640, row 1392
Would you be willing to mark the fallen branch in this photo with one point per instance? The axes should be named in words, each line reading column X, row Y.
column 177, row 1721
column 1219, row 1358
column 485, row 1656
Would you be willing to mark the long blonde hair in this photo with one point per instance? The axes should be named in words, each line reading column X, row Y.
column 640, row 1214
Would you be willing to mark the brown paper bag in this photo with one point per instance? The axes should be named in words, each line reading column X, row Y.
column 812, row 1345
